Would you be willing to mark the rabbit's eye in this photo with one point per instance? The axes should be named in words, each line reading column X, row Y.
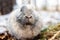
column 23, row 13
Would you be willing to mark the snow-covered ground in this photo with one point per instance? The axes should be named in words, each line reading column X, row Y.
column 3, row 23
column 49, row 18
column 3, row 19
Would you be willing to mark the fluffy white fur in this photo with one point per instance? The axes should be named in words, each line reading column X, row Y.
column 15, row 28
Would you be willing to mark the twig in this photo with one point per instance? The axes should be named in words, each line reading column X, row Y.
column 55, row 35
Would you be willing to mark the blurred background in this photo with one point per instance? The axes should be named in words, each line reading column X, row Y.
column 7, row 6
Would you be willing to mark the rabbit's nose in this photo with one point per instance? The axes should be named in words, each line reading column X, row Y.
column 28, row 17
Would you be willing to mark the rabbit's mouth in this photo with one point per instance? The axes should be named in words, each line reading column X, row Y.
column 28, row 24
column 25, row 22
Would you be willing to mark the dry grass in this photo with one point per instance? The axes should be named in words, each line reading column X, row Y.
column 6, row 36
column 52, row 33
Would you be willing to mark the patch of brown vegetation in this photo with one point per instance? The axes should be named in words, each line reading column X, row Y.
column 6, row 36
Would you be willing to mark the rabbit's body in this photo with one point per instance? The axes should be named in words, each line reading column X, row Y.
column 25, row 25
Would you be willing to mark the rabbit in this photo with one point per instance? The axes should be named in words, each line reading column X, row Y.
column 24, row 23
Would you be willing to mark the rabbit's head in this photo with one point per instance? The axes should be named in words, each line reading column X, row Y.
column 27, row 16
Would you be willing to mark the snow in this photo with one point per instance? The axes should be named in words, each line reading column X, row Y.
column 2, row 30
column 3, row 19
column 49, row 18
